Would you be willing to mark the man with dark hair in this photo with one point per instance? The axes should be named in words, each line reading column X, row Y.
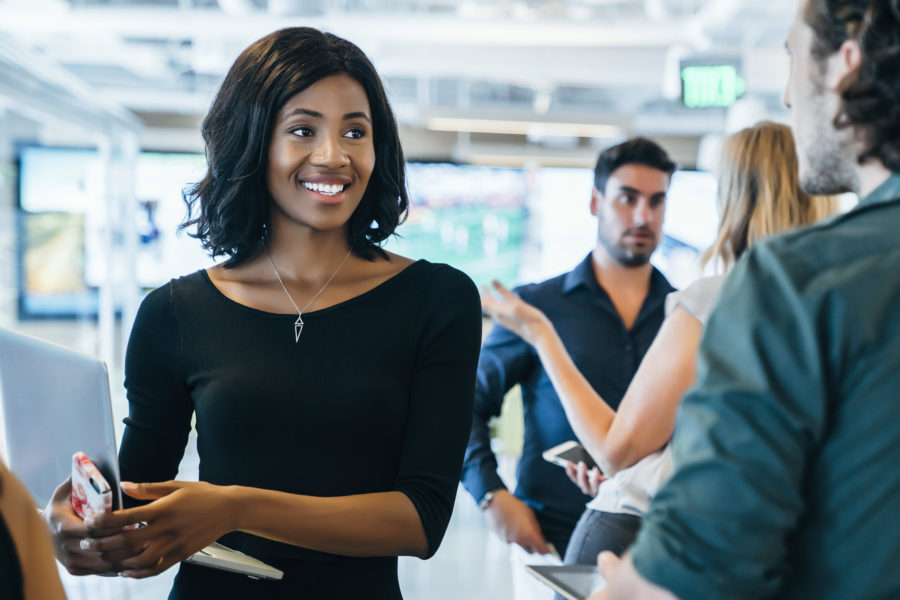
column 607, row 311
column 786, row 452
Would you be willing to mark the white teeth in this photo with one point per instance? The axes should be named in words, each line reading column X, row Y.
column 325, row 189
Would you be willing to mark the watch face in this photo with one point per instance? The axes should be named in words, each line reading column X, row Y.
column 486, row 500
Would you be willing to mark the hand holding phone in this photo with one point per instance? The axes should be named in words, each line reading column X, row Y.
column 91, row 494
column 570, row 451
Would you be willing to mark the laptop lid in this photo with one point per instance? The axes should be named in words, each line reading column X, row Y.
column 53, row 403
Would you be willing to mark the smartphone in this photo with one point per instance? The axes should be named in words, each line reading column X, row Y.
column 570, row 451
column 91, row 494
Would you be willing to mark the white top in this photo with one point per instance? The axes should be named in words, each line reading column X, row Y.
column 630, row 490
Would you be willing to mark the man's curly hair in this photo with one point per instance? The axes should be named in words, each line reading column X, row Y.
column 870, row 95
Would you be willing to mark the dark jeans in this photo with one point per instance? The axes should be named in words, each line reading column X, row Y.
column 598, row 531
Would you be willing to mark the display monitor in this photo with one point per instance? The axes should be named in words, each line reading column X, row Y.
column 61, row 221
column 471, row 217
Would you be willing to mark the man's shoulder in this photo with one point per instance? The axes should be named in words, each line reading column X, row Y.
column 548, row 289
column 833, row 248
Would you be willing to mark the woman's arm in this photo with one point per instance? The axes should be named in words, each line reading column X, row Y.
column 646, row 414
column 157, row 428
column 187, row 516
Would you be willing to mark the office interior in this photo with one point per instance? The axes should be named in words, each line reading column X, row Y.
column 503, row 106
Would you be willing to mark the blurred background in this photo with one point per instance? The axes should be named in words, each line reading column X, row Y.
column 503, row 107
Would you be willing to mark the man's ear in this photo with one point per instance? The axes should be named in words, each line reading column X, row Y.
column 596, row 198
column 842, row 63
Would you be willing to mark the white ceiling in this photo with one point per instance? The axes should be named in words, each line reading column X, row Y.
column 587, row 62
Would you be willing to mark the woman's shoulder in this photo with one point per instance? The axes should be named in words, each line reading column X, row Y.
column 161, row 298
column 422, row 271
column 189, row 283
column 698, row 298
column 705, row 286
column 441, row 278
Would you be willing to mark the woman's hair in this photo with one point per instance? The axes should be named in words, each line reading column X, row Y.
column 230, row 205
column 759, row 194
column 869, row 95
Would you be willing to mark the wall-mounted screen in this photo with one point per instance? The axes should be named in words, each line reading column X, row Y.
column 467, row 216
column 61, row 216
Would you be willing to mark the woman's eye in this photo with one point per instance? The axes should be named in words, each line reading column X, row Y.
column 355, row 134
column 302, row 131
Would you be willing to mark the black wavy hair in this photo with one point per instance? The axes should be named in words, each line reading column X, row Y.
column 637, row 150
column 870, row 94
column 230, row 205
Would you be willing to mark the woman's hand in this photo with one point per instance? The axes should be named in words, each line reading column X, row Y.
column 183, row 518
column 587, row 480
column 515, row 314
column 69, row 531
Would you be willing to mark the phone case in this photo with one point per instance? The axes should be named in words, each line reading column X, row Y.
column 91, row 494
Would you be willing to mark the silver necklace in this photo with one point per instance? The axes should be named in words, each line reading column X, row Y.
column 298, row 324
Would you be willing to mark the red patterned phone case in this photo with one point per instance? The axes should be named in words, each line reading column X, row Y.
column 91, row 494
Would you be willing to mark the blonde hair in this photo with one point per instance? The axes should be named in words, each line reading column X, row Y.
column 759, row 193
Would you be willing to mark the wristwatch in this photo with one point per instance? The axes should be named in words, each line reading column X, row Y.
column 487, row 498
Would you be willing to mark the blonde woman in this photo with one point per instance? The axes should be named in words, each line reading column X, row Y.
column 758, row 196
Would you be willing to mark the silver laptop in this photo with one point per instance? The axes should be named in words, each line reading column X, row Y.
column 55, row 402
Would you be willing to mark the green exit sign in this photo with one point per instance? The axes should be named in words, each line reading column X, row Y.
column 705, row 86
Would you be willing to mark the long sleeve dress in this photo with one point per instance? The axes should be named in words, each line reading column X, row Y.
column 376, row 396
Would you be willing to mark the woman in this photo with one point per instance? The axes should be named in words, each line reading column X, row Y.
column 332, row 381
column 758, row 196
column 27, row 568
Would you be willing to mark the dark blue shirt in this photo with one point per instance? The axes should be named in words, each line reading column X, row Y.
column 606, row 353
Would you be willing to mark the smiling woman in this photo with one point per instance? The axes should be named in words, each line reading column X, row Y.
column 329, row 454
column 321, row 155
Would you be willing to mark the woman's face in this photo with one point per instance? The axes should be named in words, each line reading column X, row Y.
column 321, row 155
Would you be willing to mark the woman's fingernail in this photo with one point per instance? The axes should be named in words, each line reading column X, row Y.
column 89, row 522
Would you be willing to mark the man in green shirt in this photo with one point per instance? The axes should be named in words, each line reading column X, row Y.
column 788, row 450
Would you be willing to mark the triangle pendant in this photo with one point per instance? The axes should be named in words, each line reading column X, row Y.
column 298, row 328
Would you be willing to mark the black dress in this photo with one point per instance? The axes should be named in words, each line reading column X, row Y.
column 376, row 396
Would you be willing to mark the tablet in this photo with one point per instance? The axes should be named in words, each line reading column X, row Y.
column 573, row 582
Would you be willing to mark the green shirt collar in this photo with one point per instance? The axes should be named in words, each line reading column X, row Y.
column 888, row 190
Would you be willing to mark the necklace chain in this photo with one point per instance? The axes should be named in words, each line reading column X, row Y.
column 298, row 324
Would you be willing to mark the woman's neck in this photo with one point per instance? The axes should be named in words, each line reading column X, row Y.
column 307, row 255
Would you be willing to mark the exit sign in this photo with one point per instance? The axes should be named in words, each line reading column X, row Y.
column 710, row 85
